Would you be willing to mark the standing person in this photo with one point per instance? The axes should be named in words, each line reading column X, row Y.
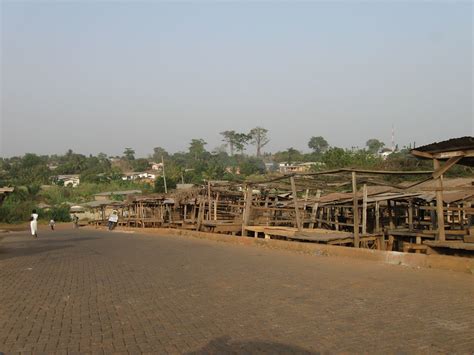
column 34, row 224
column 52, row 224
column 75, row 221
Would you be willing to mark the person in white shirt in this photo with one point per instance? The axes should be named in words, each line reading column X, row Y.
column 34, row 224
column 52, row 223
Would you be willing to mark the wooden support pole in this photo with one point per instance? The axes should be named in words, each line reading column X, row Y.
column 410, row 214
column 355, row 210
column 215, row 206
column 209, row 200
column 306, row 196
column 391, row 224
column 295, row 202
column 247, row 209
column 321, row 215
column 314, row 212
column 439, row 203
column 364, row 210
column 377, row 217
column 200, row 215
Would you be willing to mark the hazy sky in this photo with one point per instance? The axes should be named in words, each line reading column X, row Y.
column 100, row 76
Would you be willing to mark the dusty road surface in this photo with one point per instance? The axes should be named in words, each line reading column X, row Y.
column 93, row 291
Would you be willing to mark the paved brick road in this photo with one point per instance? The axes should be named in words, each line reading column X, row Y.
column 87, row 291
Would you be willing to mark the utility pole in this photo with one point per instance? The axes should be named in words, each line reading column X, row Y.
column 164, row 176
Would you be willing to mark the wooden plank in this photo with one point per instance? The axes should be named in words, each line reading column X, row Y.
column 410, row 214
column 355, row 211
column 364, row 209
column 247, row 207
column 417, row 153
column 456, row 153
column 377, row 217
column 295, row 202
column 451, row 162
column 315, row 209
column 449, row 244
column 215, row 206
column 439, row 203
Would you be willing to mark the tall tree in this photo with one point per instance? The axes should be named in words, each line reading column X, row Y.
column 318, row 144
column 158, row 153
column 258, row 137
column 196, row 148
column 229, row 137
column 374, row 145
column 240, row 141
column 129, row 154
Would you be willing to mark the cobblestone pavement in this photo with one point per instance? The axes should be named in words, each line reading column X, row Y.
column 109, row 292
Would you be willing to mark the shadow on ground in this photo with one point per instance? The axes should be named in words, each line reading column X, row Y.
column 7, row 252
column 224, row 345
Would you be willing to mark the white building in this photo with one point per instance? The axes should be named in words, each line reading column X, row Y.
column 68, row 180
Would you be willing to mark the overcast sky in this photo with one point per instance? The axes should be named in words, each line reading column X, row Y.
column 100, row 76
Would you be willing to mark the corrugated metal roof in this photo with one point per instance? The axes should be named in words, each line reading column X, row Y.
column 462, row 143
column 127, row 192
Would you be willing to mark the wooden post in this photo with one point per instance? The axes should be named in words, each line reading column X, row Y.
column 364, row 210
column 377, row 217
column 439, row 203
column 306, row 196
column 200, row 215
column 215, row 207
column 314, row 212
column 355, row 210
column 247, row 209
column 295, row 201
column 410, row 214
column 209, row 200
column 391, row 224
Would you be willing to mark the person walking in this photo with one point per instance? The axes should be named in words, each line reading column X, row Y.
column 34, row 224
column 75, row 221
column 52, row 223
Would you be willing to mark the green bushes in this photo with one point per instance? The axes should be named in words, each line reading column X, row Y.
column 59, row 214
column 15, row 210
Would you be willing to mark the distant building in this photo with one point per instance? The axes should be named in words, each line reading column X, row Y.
column 285, row 168
column 385, row 152
column 157, row 166
column 142, row 176
column 67, row 180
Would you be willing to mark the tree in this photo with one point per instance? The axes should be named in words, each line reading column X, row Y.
column 196, row 148
column 318, row 144
column 374, row 145
column 241, row 140
column 229, row 138
column 129, row 154
column 258, row 137
column 140, row 164
column 289, row 156
column 252, row 165
column 159, row 153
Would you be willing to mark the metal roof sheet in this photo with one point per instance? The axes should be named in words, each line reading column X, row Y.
column 462, row 143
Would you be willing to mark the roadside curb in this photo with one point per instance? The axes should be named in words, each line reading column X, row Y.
column 442, row 262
